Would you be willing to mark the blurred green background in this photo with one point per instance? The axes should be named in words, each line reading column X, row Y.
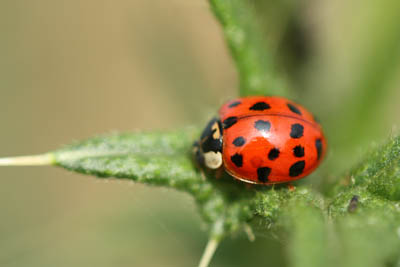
column 73, row 69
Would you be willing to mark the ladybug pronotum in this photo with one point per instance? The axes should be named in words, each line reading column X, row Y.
column 262, row 140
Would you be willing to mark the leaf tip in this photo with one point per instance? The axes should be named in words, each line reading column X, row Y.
column 32, row 160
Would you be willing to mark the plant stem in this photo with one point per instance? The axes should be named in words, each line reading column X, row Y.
column 32, row 160
column 248, row 48
column 209, row 252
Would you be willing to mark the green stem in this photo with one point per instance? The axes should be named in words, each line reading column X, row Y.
column 209, row 252
column 249, row 50
column 216, row 235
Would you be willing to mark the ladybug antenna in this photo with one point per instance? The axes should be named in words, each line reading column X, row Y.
column 216, row 235
column 33, row 160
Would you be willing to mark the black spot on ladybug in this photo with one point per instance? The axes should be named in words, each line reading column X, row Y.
column 318, row 146
column 239, row 141
column 263, row 173
column 237, row 159
column 228, row 122
column 297, row 130
column 273, row 154
column 262, row 125
column 298, row 151
column 297, row 168
column 234, row 104
column 260, row 106
column 294, row 109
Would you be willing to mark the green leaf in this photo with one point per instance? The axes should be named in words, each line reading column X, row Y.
column 257, row 73
column 150, row 158
column 378, row 174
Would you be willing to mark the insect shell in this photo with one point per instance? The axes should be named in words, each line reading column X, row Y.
column 262, row 140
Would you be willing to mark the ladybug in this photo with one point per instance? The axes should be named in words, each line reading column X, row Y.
column 262, row 140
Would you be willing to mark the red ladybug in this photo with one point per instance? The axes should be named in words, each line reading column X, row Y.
column 262, row 140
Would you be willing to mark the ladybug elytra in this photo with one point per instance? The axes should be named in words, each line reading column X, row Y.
column 262, row 140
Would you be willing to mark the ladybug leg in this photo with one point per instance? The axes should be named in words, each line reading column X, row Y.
column 219, row 172
column 198, row 157
column 291, row 187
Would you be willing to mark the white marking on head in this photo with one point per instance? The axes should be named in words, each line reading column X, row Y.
column 217, row 133
column 213, row 160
